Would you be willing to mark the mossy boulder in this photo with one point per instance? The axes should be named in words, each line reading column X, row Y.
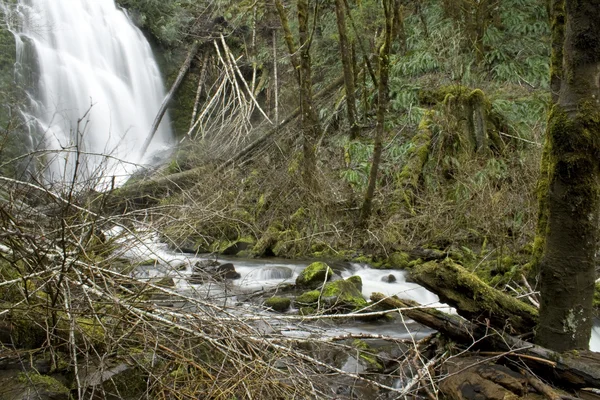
column 314, row 275
column 399, row 260
column 232, row 248
column 356, row 281
column 18, row 385
column 367, row 355
column 336, row 296
column 279, row 304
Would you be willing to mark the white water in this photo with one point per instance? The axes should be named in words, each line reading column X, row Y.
column 93, row 66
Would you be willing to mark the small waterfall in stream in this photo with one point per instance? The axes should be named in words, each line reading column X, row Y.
column 94, row 87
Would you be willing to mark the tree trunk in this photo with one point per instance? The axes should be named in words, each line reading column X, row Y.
column 301, row 62
column 474, row 299
column 310, row 122
column 346, row 53
column 384, row 65
column 571, row 369
column 163, row 108
column 557, row 22
column 573, row 198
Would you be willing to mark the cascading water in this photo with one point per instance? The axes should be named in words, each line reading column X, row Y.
column 94, row 89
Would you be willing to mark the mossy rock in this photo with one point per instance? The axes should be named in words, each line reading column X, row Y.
column 399, row 260
column 314, row 275
column 337, row 296
column 367, row 355
column 32, row 385
column 232, row 248
column 356, row 281
column 264, row 246
column 279, row 304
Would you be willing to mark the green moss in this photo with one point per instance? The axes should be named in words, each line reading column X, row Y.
column 431, row 97
column 408, row 180
column 356, row 281
column 399, row 260
column 314, row 275
column 367, row 354
column 279, row 304
column 43, row 382
column 341, row 295
column 597, row 297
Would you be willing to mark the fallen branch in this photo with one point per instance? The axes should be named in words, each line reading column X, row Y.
column 163, row 107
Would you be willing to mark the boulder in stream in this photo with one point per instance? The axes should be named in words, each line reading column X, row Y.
column 337, row 296
column 314, row 275
column 279, row 304
column 391, row 278
column 206, row 269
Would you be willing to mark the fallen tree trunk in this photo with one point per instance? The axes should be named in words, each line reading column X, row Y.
column 573, row 370
column 474, row 299
column 148, row 192
column 163, row 107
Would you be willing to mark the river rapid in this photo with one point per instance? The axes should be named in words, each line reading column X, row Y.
column 258, row 275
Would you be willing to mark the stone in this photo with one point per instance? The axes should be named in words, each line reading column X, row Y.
column 314, row 275
column 356, row 281
column 227, row 271
column 391, row 278
column 279, row 304
column 337, row 296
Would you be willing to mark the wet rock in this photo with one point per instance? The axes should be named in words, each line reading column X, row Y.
column 391, row 278
column 206, row 269
column 205, row 265
column 356, row 281
column 235, row 248
column 279, row 304
column 314, row 275
column 227, row 271
column 16, row 385
column 337, row 296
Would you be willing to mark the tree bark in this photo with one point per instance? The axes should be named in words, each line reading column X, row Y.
column 384, row 65
column 572, row 370
column 347, row 63
column 557, row 23
column 474, row 299
column 310, row 122
column 163, row 108
column 573, row 197
column 300, row 59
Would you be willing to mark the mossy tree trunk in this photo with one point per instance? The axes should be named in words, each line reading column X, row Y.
column 347, row 64
column 384, row 65
column 573, row 197
column 557, row 22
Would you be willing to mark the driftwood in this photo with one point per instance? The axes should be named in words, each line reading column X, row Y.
column 573, row 370
column 474, row 299
column 163, row 108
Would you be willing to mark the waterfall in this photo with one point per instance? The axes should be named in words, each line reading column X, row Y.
column 94, row 88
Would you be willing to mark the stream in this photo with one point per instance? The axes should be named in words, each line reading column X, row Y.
column 258, row 275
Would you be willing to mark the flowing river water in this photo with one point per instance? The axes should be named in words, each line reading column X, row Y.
column 261, row 274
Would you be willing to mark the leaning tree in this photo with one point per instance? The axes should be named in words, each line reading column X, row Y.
column 570, row 189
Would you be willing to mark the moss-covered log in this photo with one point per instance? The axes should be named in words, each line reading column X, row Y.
column 569, row 370
column 409, row 178
column 474, row 299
